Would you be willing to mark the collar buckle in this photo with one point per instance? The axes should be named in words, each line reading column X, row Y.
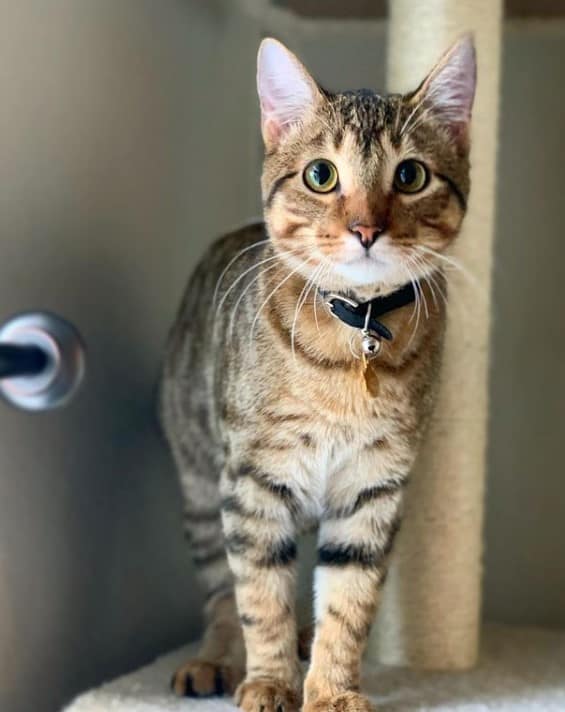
column 332, row 296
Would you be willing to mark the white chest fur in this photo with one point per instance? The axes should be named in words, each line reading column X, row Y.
column 339, row 460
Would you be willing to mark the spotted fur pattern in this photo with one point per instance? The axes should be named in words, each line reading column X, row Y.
column 265, row 402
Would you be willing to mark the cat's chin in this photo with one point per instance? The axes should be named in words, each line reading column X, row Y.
column 363, row 272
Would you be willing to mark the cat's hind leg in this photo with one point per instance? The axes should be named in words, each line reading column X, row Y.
column 219, row 664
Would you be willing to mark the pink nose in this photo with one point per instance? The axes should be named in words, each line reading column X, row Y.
column 367, row 234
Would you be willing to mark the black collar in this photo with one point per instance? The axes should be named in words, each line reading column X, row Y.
column 354, row 313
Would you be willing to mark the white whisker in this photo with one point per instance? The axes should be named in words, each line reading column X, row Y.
column 299, row 304
column 430, row 271
column 419, row 268
column 416, row 309
column 315, row 277
column 230, row 263
column 243, row 293
column 419, row 119
column 397, row 117
column 452, row 262
column 436, row 289
column 324, row 269
column 410, row 115
column 272, row 293
column 315, row 306
column 424, row 300
column 238, row 279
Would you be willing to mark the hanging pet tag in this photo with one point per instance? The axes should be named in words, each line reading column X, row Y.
column 370, row 377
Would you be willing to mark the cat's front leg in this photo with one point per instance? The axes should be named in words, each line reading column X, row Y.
column 259, row 524
column 356, row 537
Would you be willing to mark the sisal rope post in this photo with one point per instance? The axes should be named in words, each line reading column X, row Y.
column 430, row 617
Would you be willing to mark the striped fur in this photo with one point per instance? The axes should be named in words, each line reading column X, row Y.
column 266, row 407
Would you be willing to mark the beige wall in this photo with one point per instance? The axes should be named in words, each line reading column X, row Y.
column 128, row 139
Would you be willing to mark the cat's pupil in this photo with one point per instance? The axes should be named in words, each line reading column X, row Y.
column 321, row 173
column 407, row 173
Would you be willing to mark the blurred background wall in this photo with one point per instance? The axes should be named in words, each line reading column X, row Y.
column 128, row 140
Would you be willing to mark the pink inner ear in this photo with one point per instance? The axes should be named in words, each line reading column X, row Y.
column 271, row 130
column 284, row 87
column 450, row 87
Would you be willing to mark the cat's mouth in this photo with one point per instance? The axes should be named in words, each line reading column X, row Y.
column 362, row 257
column 368, row 255
column 366, row 258
column 363, row 269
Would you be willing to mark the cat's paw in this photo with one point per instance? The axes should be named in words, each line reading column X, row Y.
column 266, row 695
column 344, row 702
column 198, row 678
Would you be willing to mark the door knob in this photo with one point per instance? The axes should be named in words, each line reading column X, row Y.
column 41, row 361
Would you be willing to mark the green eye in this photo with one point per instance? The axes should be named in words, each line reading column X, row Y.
column 411, row 176
column 320, row 175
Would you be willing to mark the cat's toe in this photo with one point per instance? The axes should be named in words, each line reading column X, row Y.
column 344, row 702
column 198, row 678
column 265, row 695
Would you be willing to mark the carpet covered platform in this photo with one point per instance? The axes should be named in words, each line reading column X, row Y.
column 520, row 669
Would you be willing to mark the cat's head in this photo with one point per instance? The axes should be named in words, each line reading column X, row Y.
column 359, row 189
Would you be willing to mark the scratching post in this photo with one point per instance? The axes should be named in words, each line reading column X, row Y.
column 431, row 608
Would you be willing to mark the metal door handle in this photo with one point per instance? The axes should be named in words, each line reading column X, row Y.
column 41, row 361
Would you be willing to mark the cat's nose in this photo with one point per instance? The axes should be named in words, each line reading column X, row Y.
column 367, row 234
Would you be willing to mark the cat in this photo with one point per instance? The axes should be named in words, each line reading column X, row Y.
column 286, row 403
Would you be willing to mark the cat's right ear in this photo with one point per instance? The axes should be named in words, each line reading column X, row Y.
column 287, row 93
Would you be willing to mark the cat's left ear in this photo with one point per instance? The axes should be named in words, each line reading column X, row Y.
column 287, row 92
column 449, row 88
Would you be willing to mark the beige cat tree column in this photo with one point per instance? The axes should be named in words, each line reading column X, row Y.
column 432, row 604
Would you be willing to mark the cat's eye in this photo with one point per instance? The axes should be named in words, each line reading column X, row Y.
column 320, row 175
column 411, row 176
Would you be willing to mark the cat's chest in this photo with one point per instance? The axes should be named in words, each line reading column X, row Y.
column 322, row 432
column 346, row 410
column 333, row 453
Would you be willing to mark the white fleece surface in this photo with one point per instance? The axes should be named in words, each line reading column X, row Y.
column 519, row 669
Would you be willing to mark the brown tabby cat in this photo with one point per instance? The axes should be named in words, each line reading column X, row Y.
column 281, row 416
